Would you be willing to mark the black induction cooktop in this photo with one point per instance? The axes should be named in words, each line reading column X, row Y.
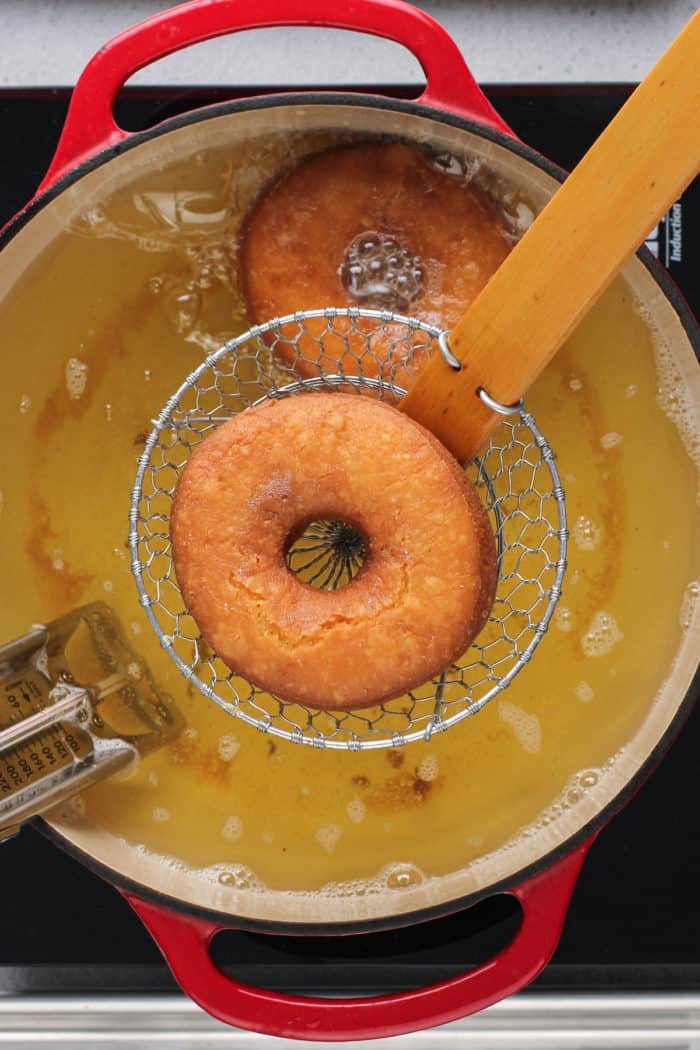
column 634, row 922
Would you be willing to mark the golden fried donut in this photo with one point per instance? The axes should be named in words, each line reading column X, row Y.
column 251, row 488
column 377, row 225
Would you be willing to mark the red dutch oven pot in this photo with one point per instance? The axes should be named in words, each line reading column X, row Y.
column 451, row 109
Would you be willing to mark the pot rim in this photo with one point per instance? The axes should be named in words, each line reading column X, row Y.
column 672, row 293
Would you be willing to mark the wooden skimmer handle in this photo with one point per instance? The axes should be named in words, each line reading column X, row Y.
column 601, row 214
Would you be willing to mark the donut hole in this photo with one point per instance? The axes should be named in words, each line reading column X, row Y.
column 326, row 553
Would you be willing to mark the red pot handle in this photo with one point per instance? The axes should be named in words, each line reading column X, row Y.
column 90, row 126
column 184, row 942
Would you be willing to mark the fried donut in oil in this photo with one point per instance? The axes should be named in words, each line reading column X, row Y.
column 423, row 593
column 378, row 225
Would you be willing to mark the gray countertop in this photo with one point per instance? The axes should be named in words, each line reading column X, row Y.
column 525, row 1022
column 47, row 42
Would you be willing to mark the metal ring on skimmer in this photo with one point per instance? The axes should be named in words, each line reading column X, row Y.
column 378, row 352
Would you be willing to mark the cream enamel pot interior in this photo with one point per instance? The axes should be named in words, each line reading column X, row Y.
column 184, row 907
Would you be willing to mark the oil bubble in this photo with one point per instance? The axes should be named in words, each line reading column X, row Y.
column 402, row 876
column 526, row 727
column 228, row 747
column 449, row 164
column 182, row 308
column 94, row 216
column 328, row 836
column 232, row 829
column 428, row 769
column 602, row 635
column 239, row 878
column 356, row 810
column 689, row 604
column 586, row 533
column 378, row 271
column 524, row 216
column 562, row 619
column 76, row 373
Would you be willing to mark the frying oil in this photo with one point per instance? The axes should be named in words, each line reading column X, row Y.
column 97, row 336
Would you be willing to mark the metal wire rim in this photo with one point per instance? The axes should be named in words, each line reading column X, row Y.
column 381, row 386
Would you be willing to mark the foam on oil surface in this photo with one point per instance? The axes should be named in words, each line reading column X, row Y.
column 229, row 746
column 525, row 726
column 586, row 534
column 584, row 692
column 602, row 636
column 232, row 829
column 76, row 372
column 672, row 394
column 689, row 604
column 356, row 810
column 235, row 880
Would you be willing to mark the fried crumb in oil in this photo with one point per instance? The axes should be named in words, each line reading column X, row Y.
column 67, row 586
column 395, row 758
column 401, row 791
column 271, row 747
column 140, row 438
column 206, row 761
column 180, row 751
column 360, row 781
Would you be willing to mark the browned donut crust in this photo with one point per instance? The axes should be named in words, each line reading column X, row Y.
column 428, row 581
column 297, row 234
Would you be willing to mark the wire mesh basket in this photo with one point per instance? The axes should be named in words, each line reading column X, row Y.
column 368, row 352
